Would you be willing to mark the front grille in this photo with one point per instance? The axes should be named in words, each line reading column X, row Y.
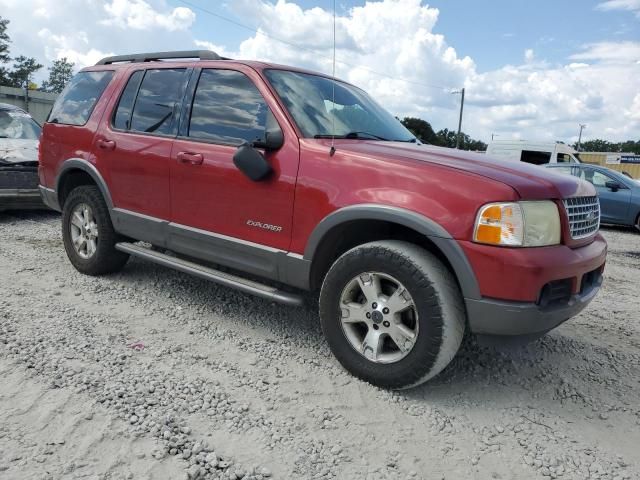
column 584, row 216
column 21, row 178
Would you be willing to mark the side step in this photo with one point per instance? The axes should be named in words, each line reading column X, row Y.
column 226, row 279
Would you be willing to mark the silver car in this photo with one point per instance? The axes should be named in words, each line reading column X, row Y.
column 19, row 136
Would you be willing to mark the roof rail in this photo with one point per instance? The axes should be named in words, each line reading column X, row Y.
column 151, row 57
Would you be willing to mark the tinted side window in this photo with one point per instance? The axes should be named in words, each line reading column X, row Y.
column 227, row 107
column 158, row 100
column 76, row 102
column 536, row 158
column 122, row 117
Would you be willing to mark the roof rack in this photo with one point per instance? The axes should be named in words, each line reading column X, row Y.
column 151, row 57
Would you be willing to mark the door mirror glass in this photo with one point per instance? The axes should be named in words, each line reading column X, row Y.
column 613, row 186
column 251, row 162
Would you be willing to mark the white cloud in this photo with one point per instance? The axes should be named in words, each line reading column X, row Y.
column 396, row 38
column 528, row 55
column 139, row 15
column 625, row 52
column 76, row 29
column 629, row 5
column 388, row 47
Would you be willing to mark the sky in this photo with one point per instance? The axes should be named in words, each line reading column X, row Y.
column 531, row 69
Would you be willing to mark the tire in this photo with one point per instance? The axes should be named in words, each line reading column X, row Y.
column 435, row 317
column 102, row 258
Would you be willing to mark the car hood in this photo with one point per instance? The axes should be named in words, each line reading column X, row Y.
column 530, row 181
column 18, row 150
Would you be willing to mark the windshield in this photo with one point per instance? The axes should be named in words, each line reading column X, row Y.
column 16, row 124
column 352, row 115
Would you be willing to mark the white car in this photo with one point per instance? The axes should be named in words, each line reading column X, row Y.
column 19, row 137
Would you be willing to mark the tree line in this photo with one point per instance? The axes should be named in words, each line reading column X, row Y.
column 599, row 145
column 443, row 138
column 18, row 71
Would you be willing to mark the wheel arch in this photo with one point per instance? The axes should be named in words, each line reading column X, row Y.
column 75, row 172
column 354, row 225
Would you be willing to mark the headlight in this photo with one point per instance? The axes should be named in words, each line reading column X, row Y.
column 518, row 224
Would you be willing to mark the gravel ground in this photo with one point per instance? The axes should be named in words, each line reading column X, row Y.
column 152, row 374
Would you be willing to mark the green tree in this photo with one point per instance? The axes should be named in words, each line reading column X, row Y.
column 600, row 145
column 630, row 146
column 60, row 72
column 597, row 145
column 420, row 128
column 23, row 69
column 4, row 51
column 443, row 138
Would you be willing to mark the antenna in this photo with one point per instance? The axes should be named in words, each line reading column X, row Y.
column 333, row 87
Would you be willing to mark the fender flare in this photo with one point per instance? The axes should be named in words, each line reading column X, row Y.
column 91, row 170
column 447, row 245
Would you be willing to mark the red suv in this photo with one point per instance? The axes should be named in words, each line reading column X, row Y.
column 292, row 181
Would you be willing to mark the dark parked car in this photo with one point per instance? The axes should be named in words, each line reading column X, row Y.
column 19, row 136
column 619, row 194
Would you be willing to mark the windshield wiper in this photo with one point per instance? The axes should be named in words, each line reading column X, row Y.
column 353, row 136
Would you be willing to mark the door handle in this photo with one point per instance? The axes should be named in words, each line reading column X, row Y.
column 105, row 144
column 190, row 158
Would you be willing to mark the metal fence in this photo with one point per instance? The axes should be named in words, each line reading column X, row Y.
column 38, row 104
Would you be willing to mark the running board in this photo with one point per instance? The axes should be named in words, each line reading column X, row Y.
column 226, row 279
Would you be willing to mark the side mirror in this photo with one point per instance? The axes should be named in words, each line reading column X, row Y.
column 273, row 136
column 251, row 162
column 273, row 140
column 613, row 186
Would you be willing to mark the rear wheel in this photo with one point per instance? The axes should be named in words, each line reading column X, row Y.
column 88, row 235
column 392, row 313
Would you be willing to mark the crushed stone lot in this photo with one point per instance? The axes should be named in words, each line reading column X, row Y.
column 153, row 374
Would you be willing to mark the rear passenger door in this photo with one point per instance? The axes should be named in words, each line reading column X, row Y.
column 218, row 213
column 135, row 144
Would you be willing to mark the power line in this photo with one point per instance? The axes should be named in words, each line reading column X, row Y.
column 311, row 50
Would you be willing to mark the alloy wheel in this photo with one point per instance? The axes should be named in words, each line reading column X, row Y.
column 379, row 317
column 84, row 231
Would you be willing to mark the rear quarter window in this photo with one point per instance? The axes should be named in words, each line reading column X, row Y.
column 77, row 100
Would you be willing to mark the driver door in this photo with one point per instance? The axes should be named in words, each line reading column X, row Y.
column 217, row 213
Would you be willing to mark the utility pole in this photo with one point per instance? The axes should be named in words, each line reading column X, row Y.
column 461, row 92
column 494, row 135
column 582, row 126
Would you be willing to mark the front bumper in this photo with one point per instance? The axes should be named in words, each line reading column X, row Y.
column 531, row 291
column 19, row 188
column 496, row 317
column 20, row 199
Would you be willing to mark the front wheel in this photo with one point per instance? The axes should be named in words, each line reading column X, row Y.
column 88, row 235
column 392, row 313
